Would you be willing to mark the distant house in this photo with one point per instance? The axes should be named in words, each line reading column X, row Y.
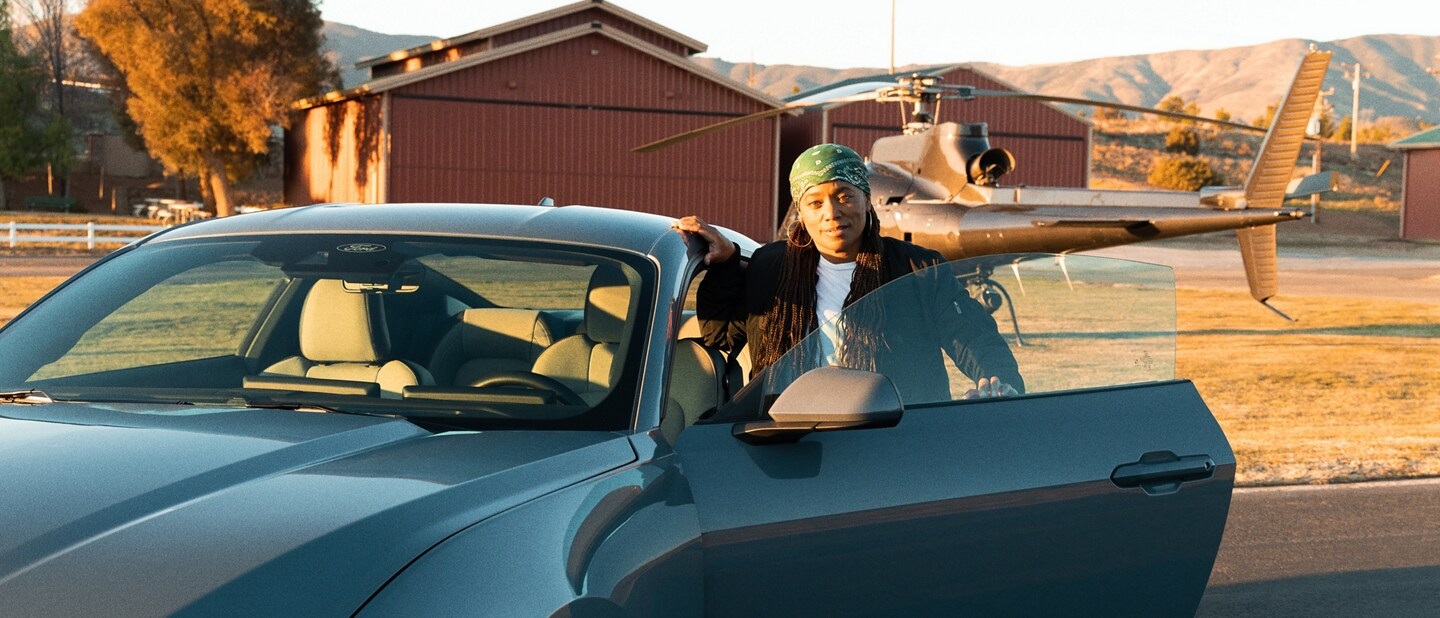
column 545, row 106
column 1420, row 191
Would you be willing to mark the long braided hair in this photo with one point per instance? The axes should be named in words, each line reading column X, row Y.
column 792, row 316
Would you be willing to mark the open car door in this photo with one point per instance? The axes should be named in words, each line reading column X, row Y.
column 1103, row 488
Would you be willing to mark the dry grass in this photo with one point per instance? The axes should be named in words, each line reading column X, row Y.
column 16, row 293
column 1348, row 393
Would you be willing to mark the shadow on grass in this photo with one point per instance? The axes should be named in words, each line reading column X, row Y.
column 1368, row 330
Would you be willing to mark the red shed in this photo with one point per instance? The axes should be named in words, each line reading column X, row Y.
column 1420, row 191
column 1051, row 146
column 546, row 106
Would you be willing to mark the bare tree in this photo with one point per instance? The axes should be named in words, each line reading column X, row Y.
column 49, row 39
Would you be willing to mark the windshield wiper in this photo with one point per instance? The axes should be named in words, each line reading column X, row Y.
column 312, row 407
column 31, row 397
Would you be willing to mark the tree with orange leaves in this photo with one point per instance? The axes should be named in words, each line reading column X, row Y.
column 208, row 79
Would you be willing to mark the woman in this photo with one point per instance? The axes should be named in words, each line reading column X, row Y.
column 832, row 257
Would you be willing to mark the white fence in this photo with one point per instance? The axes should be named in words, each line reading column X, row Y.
column 13, row 232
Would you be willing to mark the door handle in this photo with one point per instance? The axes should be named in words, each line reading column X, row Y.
column 1162, row 472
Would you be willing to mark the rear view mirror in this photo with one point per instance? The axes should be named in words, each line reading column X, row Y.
column 827, row 399
column 403, row 281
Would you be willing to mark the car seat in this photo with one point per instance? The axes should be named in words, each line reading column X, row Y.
column 343, row 337
column 486, row 341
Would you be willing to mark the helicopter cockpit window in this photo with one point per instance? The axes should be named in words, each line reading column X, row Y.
column 1071, row 322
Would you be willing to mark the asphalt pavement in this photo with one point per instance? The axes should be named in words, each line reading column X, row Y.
column 43, row 265
column 1364, row 549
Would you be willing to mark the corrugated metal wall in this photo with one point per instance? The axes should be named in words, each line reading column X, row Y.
column 1420, row 213
column 1051, row 147
column 796, row 134
column 332, row 153
column 560, row 122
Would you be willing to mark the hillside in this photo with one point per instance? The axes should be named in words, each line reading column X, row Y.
column 1123, row 154
column 345, row 45
column 1242, row 80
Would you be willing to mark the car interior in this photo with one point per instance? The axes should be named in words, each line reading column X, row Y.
column 514, row 335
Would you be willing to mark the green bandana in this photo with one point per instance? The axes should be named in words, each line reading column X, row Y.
column 824, row 163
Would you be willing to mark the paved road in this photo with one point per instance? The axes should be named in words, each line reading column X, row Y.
column 43, row 265
column 1369, row 549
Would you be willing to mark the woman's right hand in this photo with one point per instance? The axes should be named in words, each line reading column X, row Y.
column 718, row 247
column 990, row 387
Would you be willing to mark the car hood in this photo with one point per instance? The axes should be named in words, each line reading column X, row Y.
column 123, row 509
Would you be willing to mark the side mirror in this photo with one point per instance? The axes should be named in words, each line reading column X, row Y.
column 826, row 399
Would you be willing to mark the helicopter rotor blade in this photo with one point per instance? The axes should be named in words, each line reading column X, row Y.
column 967, row 92
column 868, row 94
column 843, row 94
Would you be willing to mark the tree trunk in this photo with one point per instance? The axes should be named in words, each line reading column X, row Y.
column 219, row 186
column 4, row 204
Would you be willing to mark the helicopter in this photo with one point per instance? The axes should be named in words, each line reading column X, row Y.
column 939, row 184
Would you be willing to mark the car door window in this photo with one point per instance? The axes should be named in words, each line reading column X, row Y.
column 1078, row 322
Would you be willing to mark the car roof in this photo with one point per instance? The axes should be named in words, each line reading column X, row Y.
column 609, row 227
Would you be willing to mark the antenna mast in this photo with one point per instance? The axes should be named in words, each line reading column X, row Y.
column 892, row 37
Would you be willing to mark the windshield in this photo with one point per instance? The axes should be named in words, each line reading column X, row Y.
column 475, row 333
column 1038, row 322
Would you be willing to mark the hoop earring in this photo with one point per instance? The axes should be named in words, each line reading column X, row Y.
column 797, row 230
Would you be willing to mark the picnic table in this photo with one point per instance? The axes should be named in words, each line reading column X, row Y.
column 170, row 211
column 50, row 202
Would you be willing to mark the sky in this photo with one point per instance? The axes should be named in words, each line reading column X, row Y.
column 856, row 33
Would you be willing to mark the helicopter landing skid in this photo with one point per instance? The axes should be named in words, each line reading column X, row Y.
column 1014, row 320
column 992, row 295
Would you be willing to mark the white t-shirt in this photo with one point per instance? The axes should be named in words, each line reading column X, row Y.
column 830, row 293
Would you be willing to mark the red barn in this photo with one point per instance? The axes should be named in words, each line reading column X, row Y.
column 1420, row 191
column 545, row 106
column 550, row 106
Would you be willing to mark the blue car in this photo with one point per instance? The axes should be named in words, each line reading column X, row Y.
column 444, row 409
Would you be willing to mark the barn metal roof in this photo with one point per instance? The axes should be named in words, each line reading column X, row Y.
column 694, row 46
column 1423, row 140
column 596, row 28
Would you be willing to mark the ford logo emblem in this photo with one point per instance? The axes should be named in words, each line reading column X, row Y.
column 361, row 247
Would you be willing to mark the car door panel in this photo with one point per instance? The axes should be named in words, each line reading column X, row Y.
column 990, row 506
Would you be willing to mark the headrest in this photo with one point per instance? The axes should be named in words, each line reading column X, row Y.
column 503, row 333
column 690, row 326
column 342, row 327
column 606, row 305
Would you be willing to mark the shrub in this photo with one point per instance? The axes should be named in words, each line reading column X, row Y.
column 1183, row 139
column 1184, row 174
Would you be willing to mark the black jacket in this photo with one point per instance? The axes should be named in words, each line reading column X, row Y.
column 733, row 299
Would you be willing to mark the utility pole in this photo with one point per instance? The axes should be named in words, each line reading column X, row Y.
column 1320, row 106
column 1354, row 109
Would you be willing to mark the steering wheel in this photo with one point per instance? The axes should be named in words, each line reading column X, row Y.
column 533, row 380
